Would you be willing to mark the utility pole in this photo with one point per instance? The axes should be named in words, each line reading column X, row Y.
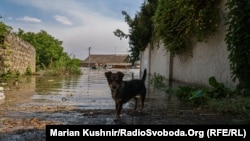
column 89, row 56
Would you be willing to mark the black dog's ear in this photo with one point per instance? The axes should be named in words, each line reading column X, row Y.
column 120, row 74
column 107, row 74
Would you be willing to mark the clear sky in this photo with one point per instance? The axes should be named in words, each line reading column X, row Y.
column 79, row 24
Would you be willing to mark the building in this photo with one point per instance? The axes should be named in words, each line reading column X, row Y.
column 114, row 60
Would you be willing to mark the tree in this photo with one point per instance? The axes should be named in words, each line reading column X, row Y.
column 179, row 23
column 4, row 30
column 141, row 28
column 48, row 49
column 49, row 53
column 237, row 39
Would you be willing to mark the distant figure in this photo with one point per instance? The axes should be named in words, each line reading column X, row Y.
column 96, row 65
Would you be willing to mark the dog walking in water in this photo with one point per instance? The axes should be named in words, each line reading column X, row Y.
column 123, row 91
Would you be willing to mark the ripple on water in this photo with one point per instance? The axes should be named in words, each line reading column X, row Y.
column 88, row 91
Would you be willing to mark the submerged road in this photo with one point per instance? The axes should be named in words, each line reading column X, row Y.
column 38, row 101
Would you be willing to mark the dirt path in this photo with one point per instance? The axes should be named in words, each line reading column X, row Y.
column 28, row 123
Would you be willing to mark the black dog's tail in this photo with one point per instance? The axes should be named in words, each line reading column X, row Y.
column 144, row 75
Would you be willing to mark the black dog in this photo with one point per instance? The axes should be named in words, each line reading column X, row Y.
column 123, row 91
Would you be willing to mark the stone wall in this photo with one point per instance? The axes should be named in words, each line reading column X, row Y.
column 17, row 55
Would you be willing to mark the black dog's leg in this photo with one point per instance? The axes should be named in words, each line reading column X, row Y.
column 118, row 108
column 136, row 102
column 142, row 101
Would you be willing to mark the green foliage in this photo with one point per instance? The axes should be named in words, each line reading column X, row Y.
column 65, row 65
column 199, row 96
column 157, row 81
column 178, row 22
column 194, row 96
column 237, row 39
column 218, row 90
column 72, row 66
column 4, row 30
column 236, row 105
column 28, row 71
column 48, row 49
column 183, row 92
column 7, row 75
column 17, row 74
column 141, row 28
column 49, row 53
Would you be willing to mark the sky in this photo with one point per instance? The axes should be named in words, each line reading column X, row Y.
column 79, row 24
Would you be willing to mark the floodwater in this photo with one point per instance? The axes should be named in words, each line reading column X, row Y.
column 87, row 91
column 37, row 101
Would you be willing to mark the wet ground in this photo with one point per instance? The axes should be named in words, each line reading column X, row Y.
column 38, row 101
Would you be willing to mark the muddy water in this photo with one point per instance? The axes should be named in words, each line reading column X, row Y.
column 87, row 91
column 34, row 96
column 85, row 99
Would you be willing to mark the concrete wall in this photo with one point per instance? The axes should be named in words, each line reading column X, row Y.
column 156, row 60
column 204, row 60
column 208, row 59
column 18, row 55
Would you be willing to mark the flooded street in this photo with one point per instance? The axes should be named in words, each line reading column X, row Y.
column 85, row 99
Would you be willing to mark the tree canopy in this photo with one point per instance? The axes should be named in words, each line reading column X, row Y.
column 48, row 48
column 50, row 53
column 179, row 23
column 141, row 28
column 4, row 30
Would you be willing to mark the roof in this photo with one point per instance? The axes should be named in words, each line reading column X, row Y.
column 106, row 58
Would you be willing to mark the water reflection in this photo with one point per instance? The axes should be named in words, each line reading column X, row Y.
column 89, row 90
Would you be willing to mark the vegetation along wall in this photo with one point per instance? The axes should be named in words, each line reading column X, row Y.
column 206, row 59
